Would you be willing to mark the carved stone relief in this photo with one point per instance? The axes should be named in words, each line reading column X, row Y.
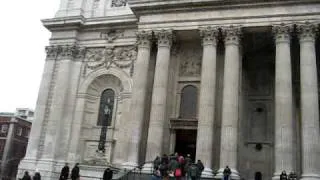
column 118, row 3
column 190, row 60
column 121, row 57
column 111, row 35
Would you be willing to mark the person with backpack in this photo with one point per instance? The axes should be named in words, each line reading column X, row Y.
column 226, row 173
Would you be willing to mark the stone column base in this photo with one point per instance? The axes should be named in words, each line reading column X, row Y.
column 310, row 177
column 26, row 165
column 234, row 174
column 147, row 168
column 207, row 173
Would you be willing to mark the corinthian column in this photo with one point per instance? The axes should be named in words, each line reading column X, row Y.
column 309, row 103
column 283, row 102
column 140, row 78
column 207, row 98
column 230, row 103
column 158, row 115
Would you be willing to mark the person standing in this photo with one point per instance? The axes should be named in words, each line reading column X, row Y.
column 226, row 173
column 193, row 172
column 75, row 172
column 200, row 167
column 283, row 175
column 37, row 175
column 108, row 174
column 26, row 176
column 64, row 172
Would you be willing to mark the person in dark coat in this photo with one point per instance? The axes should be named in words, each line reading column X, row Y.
column 26, row 176
column 200, row 167
column 37, row 175
column 226, row 173
column 75, row 172
column 283, row 175
column 64, row 172
column 107, row 175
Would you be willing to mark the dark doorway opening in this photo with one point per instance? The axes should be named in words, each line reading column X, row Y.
column 186, row 142
column 258, row 176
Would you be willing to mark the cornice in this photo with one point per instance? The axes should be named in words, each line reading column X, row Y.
column 76, row 22
column 141, row 7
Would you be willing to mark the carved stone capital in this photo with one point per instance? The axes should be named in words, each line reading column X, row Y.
column 80, row 53
column 164, row 37
column 144, row 39
column 231, row 35
column 307, row 31
column 282, row 33
column 52, row 52
column 68, row 52
column 209, row 35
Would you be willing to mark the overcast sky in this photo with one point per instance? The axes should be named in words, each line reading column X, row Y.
column 22, row 54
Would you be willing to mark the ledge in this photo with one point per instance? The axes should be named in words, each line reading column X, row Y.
column 140, row 7
column 76, row 22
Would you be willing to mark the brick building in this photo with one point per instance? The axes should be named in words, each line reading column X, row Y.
column 14, row 135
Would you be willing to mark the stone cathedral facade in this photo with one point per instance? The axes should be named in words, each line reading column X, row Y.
column 230, row 82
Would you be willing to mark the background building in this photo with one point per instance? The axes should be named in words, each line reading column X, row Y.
column 230, row 82
column 14, row 135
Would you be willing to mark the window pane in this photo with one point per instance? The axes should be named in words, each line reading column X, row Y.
column 189, row 102
column 106, row 108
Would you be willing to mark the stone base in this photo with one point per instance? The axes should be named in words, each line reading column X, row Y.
column 310, row 177
column 234, row 174
column 147, row 168
column 26, row 165
column 207, row 173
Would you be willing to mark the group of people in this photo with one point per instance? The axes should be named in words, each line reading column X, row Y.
column 176, row 167
column 291, row 176
column 75, row 173
column 36, row 176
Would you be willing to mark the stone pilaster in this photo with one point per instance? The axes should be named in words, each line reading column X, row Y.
column 207, row 99
column 309, row 103
column 158, row 116
column 283, row 102
column 230, row 103
column 58, row 108
column 140, row 79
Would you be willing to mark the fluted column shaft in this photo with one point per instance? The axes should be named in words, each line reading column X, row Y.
column 158, row 115
column 283, row 102
column 207, row 98
column 230, row 103
column 140, row 79
column 309, row 103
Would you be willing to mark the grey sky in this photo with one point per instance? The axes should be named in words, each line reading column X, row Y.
column 22, row 43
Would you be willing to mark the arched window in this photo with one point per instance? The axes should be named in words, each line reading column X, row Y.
column 106, row 107
column 189, row 102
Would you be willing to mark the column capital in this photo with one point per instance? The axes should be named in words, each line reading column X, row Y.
column 164, row 37
column 231, row 34
column 282, row 32
column 144, row 39
column 70, row 52
column 209, row 35
column 52, row 52
column 307, row 31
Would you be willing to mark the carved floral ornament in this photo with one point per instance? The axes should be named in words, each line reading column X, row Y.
column 118, row 3
column 65, row 52
column 111, row 35
column 122, row 57
column 307, row 31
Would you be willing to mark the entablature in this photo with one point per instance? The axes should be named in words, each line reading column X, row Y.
column 140, row 7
